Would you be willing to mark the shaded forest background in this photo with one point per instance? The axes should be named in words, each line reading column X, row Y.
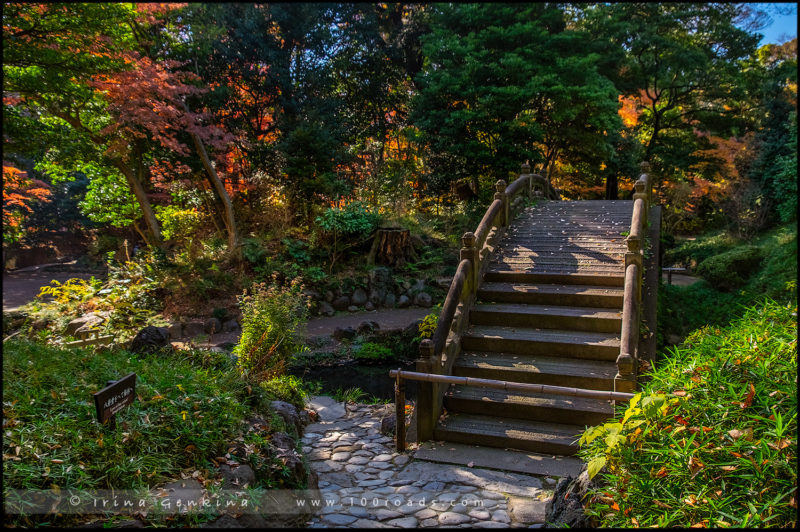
column 228, row 134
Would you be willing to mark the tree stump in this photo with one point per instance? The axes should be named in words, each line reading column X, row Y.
column 392, row 247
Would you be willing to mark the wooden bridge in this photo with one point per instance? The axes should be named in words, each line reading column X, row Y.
column 549, row 318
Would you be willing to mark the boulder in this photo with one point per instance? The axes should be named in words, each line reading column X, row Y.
column 352, row 308
column 40, row 324
column 284, row 446
column 403, row 301
column 87, row 321
column 312, row 294
column 237, row 477
column 369, row 306
column 359, row 297
column 212, row 326
column 389, row 300
column 412, row 329
column 366, row 327
column 150, row 340
column 379, row 276
column 289, row 413
column 231, row 326
column 389, row 424
column 175, row 331
column 347, row 333
column 326, row 309
column 194, row 328
column 423, row 299
column 341, row 303
column 419, row 286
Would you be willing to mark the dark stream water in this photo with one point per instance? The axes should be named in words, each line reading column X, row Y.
column 373, row 379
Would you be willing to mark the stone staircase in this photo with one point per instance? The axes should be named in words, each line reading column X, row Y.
column 548, row 311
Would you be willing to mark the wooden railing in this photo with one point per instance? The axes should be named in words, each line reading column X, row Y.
column 628, row 359
column 438, row 354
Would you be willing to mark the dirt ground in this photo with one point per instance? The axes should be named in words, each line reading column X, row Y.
column 22, row 286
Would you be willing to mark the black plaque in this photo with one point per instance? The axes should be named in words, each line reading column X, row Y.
column 114, row 398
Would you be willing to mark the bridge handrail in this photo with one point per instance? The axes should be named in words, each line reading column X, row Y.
column 438, row 354
column 627, row 361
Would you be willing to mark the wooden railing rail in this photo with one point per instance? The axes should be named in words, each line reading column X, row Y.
column 627, row 361
column 438, row 354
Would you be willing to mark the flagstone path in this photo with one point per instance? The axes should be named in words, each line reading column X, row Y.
column 364, row 482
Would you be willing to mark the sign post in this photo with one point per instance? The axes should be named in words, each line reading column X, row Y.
column 113, row 398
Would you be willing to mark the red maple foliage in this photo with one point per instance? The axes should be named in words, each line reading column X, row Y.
column 148, row 101
column 19, row 192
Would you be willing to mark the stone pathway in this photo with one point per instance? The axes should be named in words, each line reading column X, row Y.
column 365, row 483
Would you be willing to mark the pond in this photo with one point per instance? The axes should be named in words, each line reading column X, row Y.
column 373, row 379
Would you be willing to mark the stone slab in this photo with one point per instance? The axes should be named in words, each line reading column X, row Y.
column 502, row 459
column 328, row 408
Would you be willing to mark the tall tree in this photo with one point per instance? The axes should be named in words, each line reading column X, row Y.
column 683, row 60
column 51, row 53
column 508, row 83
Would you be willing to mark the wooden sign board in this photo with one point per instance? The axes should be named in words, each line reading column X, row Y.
column 115, row 397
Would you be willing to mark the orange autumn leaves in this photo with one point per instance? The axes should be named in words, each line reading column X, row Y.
column 19, row 192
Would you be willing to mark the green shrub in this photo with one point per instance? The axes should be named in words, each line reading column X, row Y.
column 712, row 439
column 373, row 352
column 429, row 323
column 731, row 269
column 271, row 316
column 286, row 388
column 682, row 309
column 690, row 253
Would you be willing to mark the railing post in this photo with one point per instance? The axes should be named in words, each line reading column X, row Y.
column 424, row 408
column 526, row 170
column 625, row 379
column 645, row 168
column 640, row 188
column 500, row 186
column 471, row 253
column 400, row 412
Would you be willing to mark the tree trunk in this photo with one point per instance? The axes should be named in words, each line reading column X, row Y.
column 153, row 228
column 392, row 247
column 222, row 196
column 612, row 191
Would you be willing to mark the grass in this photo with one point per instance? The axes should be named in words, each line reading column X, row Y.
column 357, row 395
column 683, row 309
column 189, row 408
column 711, row 441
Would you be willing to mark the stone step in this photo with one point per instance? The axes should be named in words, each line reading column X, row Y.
column 537, row 369
column 564, row 275
column 503, row 459
column 522, row 434
column 530, row 406
column 538, row 246
column 565, row 261
column 547, row 317
column 550, row 342
column 549, row 294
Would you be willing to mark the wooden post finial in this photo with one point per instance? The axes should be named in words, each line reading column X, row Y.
column 526, row 168
column 501, row 185
column 468, row 240
column 426, row 349
column 645, row 167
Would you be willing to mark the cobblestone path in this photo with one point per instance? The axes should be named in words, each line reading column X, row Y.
column 365, row 483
